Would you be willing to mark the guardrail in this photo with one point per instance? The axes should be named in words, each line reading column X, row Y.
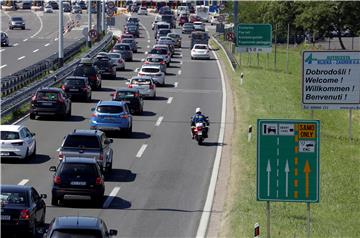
column 228, row 52
column 23, row 95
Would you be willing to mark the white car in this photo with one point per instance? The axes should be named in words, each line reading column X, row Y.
column 17, row 142
column 200, row 51
column 48, row 9
column 199, row 26
column 117, row 60
column 142, row 11
column 153, row 71
column 144, row 84
column 214, row 19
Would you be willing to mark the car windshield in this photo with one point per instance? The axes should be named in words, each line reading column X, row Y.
column 79, row 233
column 47, row 96
column 122, row 47
column 75, row 82
column 158, row 51
column 109, row 109
column 16, row 19
column 150, row 70
column 74, row 169
column 128, row 41
column 13, row 198
column 81, row 141
column 200, row 47
column 9, row 135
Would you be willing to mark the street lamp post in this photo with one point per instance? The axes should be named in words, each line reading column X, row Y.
column 61, row 34
column 89, row 23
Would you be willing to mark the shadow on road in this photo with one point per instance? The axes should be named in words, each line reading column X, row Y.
column 121, row 175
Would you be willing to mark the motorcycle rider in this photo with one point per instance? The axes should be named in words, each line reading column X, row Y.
column 199, row 118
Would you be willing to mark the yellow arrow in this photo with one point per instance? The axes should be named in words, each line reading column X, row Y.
column 307, row 171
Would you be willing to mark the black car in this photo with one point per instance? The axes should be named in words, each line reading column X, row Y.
column 75, row 226
column 26, row 5
column 22, row 209
column 4, row 39
column 133, row 20
column 105, row 67
column 16, row 22
column 77, row 87
column 67, row 7
column 50, row 101
column 131, row 28
column 132, row 97
column 77, row 176
column 86, row 69
column 54, row 5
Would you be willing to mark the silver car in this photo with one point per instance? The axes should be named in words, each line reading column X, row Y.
column 144, row 84
column 117, row 60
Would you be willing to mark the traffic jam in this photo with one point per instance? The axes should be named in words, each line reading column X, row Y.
column 85, row 156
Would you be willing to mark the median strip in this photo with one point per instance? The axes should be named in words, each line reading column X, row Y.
column 36, row 50
column 158, row 122
column 141, row 151
column 3, row 66
column 111, row 196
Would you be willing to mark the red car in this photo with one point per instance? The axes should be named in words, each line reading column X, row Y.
column 194, row 18
column 182, row 20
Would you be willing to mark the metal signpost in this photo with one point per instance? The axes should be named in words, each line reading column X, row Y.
column 230, row 36
column 287, row 162
column 254, row 38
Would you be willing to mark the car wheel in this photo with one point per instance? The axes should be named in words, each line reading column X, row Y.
column 129, row 131
column 33, row 231
column 32, row 116
column 154, row 97
column 23, row 27
column 54, row 201
column 89, row 98
column 109, row 168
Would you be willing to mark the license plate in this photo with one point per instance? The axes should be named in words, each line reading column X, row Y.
column 5, row 153
column 47, row 103
column 78, row 183
column 73, row 90
column 200, row 133
column 5, row 217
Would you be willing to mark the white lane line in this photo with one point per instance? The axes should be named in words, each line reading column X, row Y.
column 25, row 39
column 3, row 66
column 41, row 27
column 176, row 84
column 205, row 216
column 2, row 50
column 169, row 100
column 36, row 50
column 147, row 32
column 20, row 58
column 181, row 55
column 158, row 122
column 111, row 196
column 179, row 72
column 16, row 44
column 57, row 39
column 141, row 151
column 148, row 41
column 23, row 182
column 47, row 44
column 148, row 46
column 146, row 52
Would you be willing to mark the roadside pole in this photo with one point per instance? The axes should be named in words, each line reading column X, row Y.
column 267, row 219
column 61, row 34
column 308, row 219
column 103, row 17
column 89, row 23
column 236, row 6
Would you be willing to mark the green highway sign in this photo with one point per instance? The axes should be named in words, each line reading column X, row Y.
column 254, row 37
column 287, row 167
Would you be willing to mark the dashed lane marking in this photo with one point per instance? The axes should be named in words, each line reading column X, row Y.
column 179, row 72
column 25, row 39
column 3, row 66
column 47, row 44
column 23, row 182
column 176, row 84
column 111, row 196
column 158, row 122
column 141, row 151
column 16, row 44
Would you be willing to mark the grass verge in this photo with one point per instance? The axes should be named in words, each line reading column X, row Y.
column 269, row 92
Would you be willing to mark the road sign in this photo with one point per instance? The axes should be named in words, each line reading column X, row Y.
column 254, row 38
column 110, row 12
column 111, row 4
column 287, row 167
column 78, row 17
column 93, row 34
column 330, row 80
column 230, row 36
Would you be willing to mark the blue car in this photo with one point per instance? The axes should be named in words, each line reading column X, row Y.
column 111, row 115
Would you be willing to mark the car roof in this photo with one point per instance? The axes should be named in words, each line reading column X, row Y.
column 155, row 56
column 124, row 89
column 162, row 23
column 82, row 160
column 110, row 103
column 198, row 22
column 200, row 45
column 76, row 222
column 14, row 128
column 15, row 188
column 46, row 89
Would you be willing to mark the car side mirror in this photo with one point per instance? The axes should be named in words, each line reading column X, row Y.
column 43, row 196
column 33, row 134
column 137, row 70
column 113, row 232
column 52, row 169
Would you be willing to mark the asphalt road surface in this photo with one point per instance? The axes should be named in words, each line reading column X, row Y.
column 159, row 190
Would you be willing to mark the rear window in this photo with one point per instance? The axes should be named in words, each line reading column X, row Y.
column 75, row 82
column 74, row 169
column 199, row 36
column 81, row 141
column 16, row 19
column 13, row 198
column 116, row 56
column 122, row 47
column 84, row 70
column 150, row 70
column 158, row 51
column 109, row 109
column 200, row 47
column 79, row 233
column 166, row 18
column 164, row 32
column 47, row 96
column 128, row 41
column 162, row 26
column 9, row 135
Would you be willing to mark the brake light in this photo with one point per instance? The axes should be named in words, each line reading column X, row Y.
column 84, row 89
column 17, row 143
column 93, row 115
column 146, row 62
column 25, row 214
column 101, row 157
column 126, row 116
column 162, row 62
column 130, row 86
column 141, row 74
column 61, row 155
column 99, row 181
column 93, row 77
column 63, row 87
column 57, row 180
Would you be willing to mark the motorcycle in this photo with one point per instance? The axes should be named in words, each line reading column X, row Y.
column 200, row 132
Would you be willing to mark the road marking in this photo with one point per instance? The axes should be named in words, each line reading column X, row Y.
column 217, row 42
column 181, row 55
column 23, row 182
column 25, row 39
column 3, row 66
column 47, row 44
column 41, row 27
column 21, row 57
column 141, row 151
column 2, row 50
column 170, row 100
column 36, row 50
column 16, row 44
column 142, row 60
column 176, row 84
column 204, row 220
column 146, row 52
column 158, row 122
column 111, row 196
column 148, row 46
column 179, row 72
column 57, row 39
column 148, row 41
column 181, row 62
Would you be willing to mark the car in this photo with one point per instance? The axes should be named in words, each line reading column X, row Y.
column 200, row 51
column 23, row 210
column 50, row 101
column 153, row 71
column 156, row 60
column 162, row 32
column 170, row 48
column 132, row 44
column 183, row 20
column 165, row 52
column 199, row 37
column 78, row 226
column 124, row 50
column 125, row 36
column 76, row 9
column 105, row 67
column 165, row 10
column 132, row 28
column 132, row 97
column 142, row 11
column 88, row 144
column 117, row 60
column 134, row 20
column 17, row 142
column 176, row 37
column 54, row 5
column 67, row 7
column 144, row 84
column 4, row 39
column 77, row 87
column 199, row 26
column 164, row 40
column 77, row 176
column 86, row 69
column 187, row 28
column 26, row 5
column 48, row 9
column 16, row 22
column 82, row 4
column 169, row 19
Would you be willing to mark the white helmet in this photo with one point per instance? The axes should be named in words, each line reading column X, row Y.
column 198, row 110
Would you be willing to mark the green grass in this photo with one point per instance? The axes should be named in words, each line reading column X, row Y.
column 270, row 93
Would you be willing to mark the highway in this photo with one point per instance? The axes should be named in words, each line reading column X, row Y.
column 38, row 41
column 160, row 175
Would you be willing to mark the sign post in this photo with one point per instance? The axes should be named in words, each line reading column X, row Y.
column 254, row 38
